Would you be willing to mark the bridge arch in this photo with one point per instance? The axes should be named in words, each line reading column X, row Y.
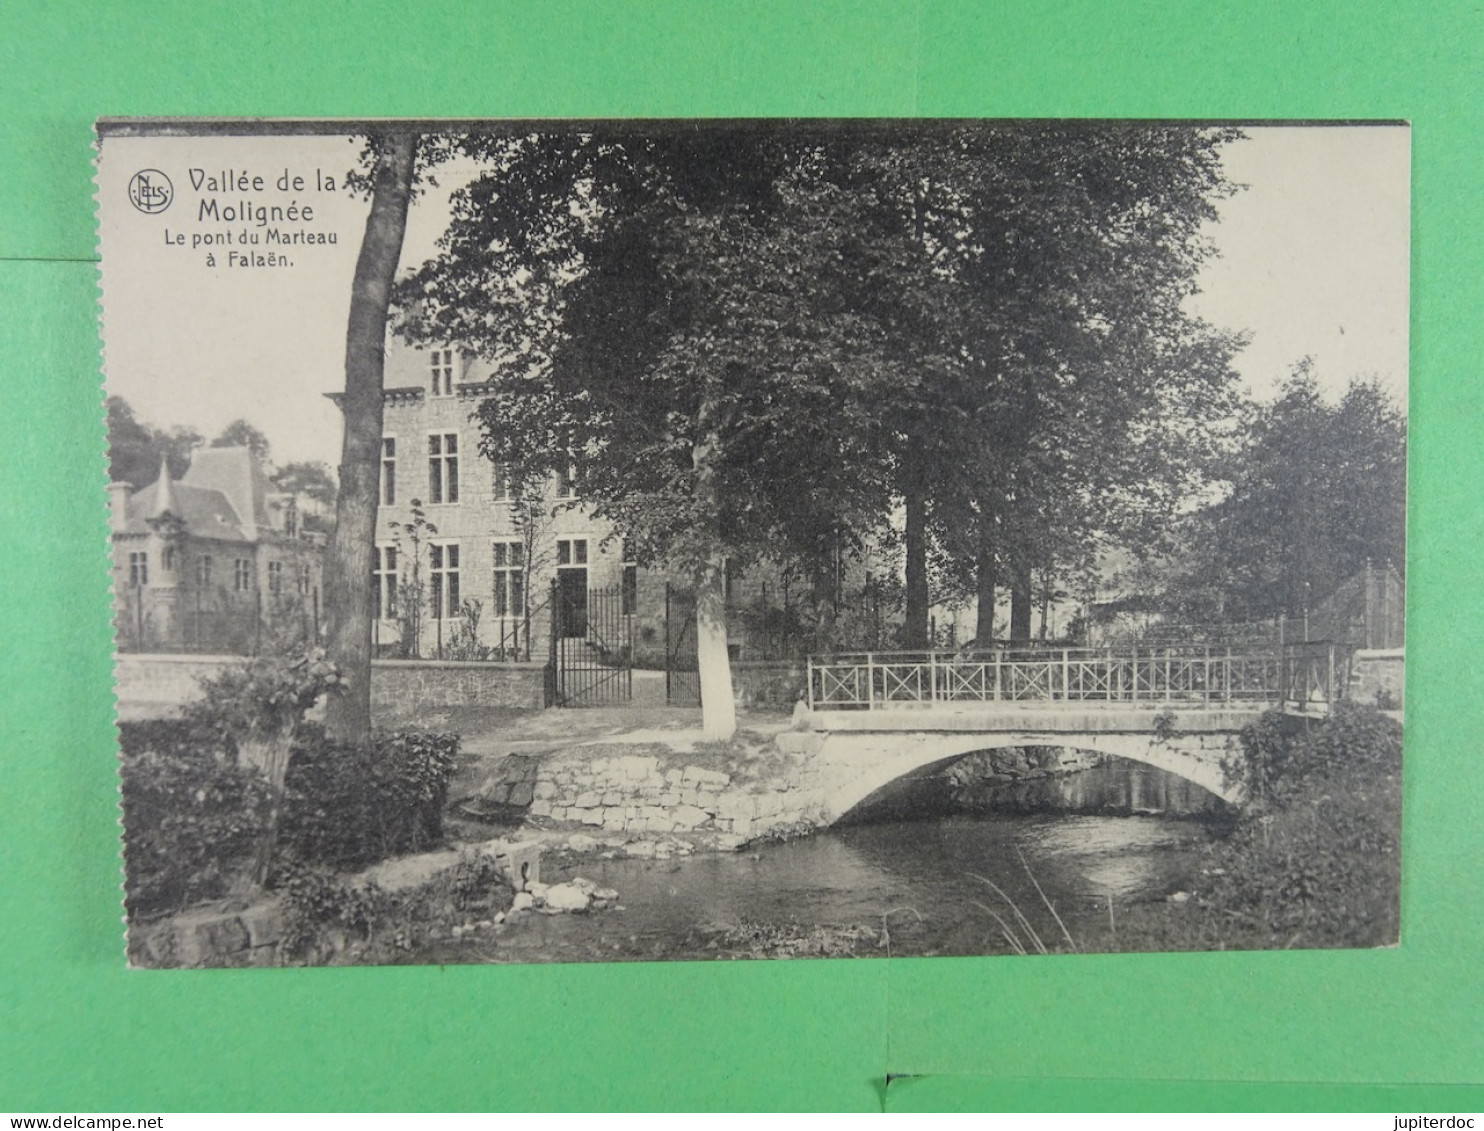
column 856, row 765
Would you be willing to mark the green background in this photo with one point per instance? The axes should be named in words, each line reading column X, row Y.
column 1384, row 1030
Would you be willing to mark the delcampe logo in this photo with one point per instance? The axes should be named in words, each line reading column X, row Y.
column 150, row 191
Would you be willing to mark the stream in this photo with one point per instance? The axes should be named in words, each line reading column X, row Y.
column 931, row 871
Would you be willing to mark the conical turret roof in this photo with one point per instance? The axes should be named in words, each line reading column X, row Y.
column 164, row 493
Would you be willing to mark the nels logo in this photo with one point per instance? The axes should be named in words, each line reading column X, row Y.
column 150, row 191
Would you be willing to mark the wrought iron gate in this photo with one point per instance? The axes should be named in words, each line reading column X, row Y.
column 591, row 662
column 682, row 681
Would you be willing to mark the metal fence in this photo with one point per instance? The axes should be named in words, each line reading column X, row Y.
column 591, row 658
column 1302, row 675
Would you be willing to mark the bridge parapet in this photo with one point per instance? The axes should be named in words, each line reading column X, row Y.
column 1308, row 676
column 1066, row 720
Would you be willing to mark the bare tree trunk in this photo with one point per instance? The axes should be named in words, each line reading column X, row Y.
column 348, row 562
column 714, row 666
column 986, row 579
column 1045, row 602
column 718, row 709
column 1020, row 602
column 267, row 755
column 826, row 608
column 915, row 623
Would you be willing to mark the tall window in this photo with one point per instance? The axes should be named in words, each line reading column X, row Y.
column 502, row 481
column 169, row 563
column 389, row 471
column 442, row 373
column 445, row 579
column 275, row 577
column 242, row 575
column 567, row 482
column 384, row 581
column 138, row 568
column 306, row 579
column 572, row 552
column 510, row 579
column 203, row 570
column 443, row 467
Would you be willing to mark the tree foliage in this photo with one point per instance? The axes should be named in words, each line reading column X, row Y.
column 310, row 478
column 1069, row 359
column 643, row 292
column 241, row 434
column 754, row 340
column 1314, row 493
column 136, row 448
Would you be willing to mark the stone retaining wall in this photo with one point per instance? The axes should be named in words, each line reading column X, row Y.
column 155, row 683
column 642, row 793
column 142, row 678
column 405, row 686
column 1376, row 677
column 622, row 791
column 772, row 685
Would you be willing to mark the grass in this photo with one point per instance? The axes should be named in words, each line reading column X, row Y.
column 1016, row 940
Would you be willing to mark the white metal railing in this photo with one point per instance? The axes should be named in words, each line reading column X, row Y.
column 1308, row 674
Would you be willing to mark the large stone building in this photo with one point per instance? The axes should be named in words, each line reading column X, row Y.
column 216, row 562
column 465, row 570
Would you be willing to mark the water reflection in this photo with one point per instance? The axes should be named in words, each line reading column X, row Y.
column 1116, row 787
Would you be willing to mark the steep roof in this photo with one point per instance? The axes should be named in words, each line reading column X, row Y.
column 206, row 514
column 236, row 474
column 222, row 496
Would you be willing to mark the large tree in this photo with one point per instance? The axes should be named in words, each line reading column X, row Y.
column 241, row 434
column 1315, row 493
column 1077, row 398
column 668, row 319
column 136, row 448
column 754, row 338
column 347, row 572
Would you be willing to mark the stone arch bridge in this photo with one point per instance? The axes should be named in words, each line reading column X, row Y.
column 874, row 718
column 852, row 757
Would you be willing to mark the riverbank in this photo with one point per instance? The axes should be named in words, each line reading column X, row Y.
column 1025, row 852
column 1313, row 863
column 1315, row 860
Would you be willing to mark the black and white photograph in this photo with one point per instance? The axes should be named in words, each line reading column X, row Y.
column 647, row 540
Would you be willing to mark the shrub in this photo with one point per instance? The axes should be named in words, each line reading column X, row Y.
column 1316, row 858
column 193, row 820
column 261, row 697
column 330, row 920
column 254, row 708
column 349, row 805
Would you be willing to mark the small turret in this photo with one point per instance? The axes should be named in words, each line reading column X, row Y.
column 164, row 493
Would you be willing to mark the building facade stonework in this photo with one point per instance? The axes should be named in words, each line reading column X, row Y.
column 464, row 569
column 217, row 562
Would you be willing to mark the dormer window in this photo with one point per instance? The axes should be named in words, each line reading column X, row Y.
column 442, row 373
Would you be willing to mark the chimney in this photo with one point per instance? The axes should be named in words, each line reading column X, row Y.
column 118, row 505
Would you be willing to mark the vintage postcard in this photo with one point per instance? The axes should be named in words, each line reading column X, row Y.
column 640, row 540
